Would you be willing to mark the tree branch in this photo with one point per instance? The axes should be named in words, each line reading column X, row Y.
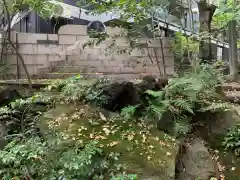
column 13, row 46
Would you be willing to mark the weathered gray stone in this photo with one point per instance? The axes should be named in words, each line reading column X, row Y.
column 196, row 162
column 3, row 133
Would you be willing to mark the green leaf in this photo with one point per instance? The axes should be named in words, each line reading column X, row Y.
column 159, row 94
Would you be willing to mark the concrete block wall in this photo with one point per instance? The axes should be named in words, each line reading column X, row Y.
column 63, row 52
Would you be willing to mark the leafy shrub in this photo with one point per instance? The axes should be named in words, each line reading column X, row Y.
column 59, row 84
column 232, row 139
column 125, row 177
column 182, row 46
column 20, row 117
column 75, row 89
column 54, row 159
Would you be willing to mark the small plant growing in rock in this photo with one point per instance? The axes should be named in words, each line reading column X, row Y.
column 125, row 177
column 232, row 140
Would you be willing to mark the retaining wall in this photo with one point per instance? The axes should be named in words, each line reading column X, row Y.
column 63, row 52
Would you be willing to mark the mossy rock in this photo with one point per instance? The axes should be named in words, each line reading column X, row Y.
column 215, row 126
column 144, row 150
column 3, row 133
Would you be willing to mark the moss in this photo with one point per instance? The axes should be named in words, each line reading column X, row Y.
column 143, row 149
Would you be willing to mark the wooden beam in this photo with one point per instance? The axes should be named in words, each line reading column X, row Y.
column 210, row 2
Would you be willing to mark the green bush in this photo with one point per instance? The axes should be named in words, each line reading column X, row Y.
column 76, row 89
column 55, row 159
column 21, row 116
column 232, row 139
column 124, row 177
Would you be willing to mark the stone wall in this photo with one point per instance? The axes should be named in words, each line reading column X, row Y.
column 63, row 52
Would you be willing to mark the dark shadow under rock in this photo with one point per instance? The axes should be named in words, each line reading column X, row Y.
column 150, row 82
column 166, row 123
column 121, row 95
column 8, row 95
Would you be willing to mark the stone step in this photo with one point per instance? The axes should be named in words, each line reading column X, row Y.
column 234, row 93
column 107, row 70
column 231, row 86
column 93, row 76
column 36, row 83
column 58, row 63
column 233, row 96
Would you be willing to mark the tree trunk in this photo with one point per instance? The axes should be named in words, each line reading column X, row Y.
column 206, row 12
column 233, row 60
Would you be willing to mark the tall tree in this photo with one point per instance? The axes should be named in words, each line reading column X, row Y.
column 233, row 60
column 226, row 18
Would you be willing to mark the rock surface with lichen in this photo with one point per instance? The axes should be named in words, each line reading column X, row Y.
column 143, row 149
column 3, row 133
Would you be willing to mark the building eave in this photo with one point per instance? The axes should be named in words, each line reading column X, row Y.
column 187, row 32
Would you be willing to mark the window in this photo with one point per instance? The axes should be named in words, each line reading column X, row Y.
column 27, row 24
column 95, row 29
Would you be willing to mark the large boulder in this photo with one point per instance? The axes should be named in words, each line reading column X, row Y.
column 214, row 126
column 144, row 150
column 195, row 162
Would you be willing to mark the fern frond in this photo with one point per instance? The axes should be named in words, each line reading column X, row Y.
column 155, row 111
column 183, row 104
column 181, row 127
column 129, row 111
column 155, row 94
column 217, row 107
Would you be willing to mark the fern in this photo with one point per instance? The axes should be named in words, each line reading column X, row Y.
column 181, row 126
column 77, row 90
column 185, row 94
column 214, row 106
column 183, row 104
column 129, row 111
column 155, row 111
column 156, row 94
